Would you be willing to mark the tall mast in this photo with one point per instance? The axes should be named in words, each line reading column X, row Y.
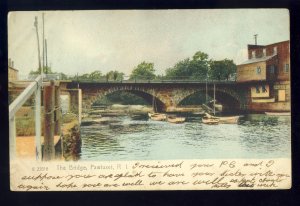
column 38, row 42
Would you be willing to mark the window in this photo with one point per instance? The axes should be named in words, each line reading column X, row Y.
column 253, row 54
column 281, row 95
column 257, row 89
column 275, row 50
column 272, row 69
column 258, row 70
column 263, row 88
column 264, row 52
column 286, row 68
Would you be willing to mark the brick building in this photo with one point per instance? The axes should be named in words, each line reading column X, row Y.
column 267, row 70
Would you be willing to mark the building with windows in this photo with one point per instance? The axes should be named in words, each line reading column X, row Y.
column 12, row 72
column 267, row 71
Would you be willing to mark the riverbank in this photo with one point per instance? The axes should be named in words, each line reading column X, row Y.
column 71, row 140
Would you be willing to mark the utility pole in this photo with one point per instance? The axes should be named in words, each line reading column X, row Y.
column 255, row 37
column 46, row 56
column 38, row 42
column 43, row 41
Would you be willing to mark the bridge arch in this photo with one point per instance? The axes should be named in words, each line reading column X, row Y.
column 230, row 99
column 148, row 95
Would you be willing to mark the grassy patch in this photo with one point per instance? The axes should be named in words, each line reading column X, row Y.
column 69, row 117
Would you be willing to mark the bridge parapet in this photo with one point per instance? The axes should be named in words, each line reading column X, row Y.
column 169, row 95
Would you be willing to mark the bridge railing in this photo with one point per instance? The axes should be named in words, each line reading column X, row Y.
column 125, row 79
column 33, row 88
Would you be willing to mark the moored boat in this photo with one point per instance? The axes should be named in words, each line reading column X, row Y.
column 210, row 120
column 229, row 120
column 157, row 116
column 223, row 120
column 278, row 113
column 176, row 120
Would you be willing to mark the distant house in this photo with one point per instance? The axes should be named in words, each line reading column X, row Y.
column 13, row 74
column 268, row 71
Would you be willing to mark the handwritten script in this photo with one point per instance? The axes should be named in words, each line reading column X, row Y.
column 151, row 175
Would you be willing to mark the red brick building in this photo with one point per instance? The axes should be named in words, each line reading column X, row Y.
column 267, row 70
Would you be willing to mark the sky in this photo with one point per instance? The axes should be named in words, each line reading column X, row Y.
column 85, row 41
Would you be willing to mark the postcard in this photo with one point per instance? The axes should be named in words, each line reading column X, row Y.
column 104, row 100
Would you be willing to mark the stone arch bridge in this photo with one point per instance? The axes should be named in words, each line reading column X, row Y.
column 168, row 95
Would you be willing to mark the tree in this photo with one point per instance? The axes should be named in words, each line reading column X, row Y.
column 46, row 70
column 95, row 75
column 195, row 68
column 180, row 70
column 199, row 66
column 143, row 71
column 115, row 75
column 222, row 70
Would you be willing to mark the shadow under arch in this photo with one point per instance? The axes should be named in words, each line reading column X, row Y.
column 149, row 98
column 229, row 99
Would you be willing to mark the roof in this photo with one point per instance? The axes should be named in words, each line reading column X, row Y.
column 13, row 68
column 255, row 60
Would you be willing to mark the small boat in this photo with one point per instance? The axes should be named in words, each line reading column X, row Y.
column 157, row 116
column 223, row 120
column 229, row 120
column 278, row 113
column 210, row 120
column 176, row 120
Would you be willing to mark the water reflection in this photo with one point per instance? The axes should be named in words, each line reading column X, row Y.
column 137, row 138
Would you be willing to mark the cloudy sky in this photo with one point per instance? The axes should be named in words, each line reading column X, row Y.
column 85, row 41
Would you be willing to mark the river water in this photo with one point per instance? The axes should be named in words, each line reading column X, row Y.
column 255, row 136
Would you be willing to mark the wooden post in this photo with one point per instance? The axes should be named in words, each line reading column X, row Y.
column 79, row 105
column 38, row 146
column 12, row 138
column 49, row 103
column 57, row 111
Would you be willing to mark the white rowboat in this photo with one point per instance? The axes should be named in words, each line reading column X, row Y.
column 157, row 116
column 176, row 120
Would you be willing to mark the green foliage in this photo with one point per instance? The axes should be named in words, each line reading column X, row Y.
column 143, row 71
column 195, row 68
column 222, row 70
column 69, row 117
column 179, row 71
column 115, row 75
column 95, row 75
column 46, row 70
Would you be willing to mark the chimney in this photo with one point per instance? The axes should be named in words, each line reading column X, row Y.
column 9, row 62
column 12, row 64
column 255, row 37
